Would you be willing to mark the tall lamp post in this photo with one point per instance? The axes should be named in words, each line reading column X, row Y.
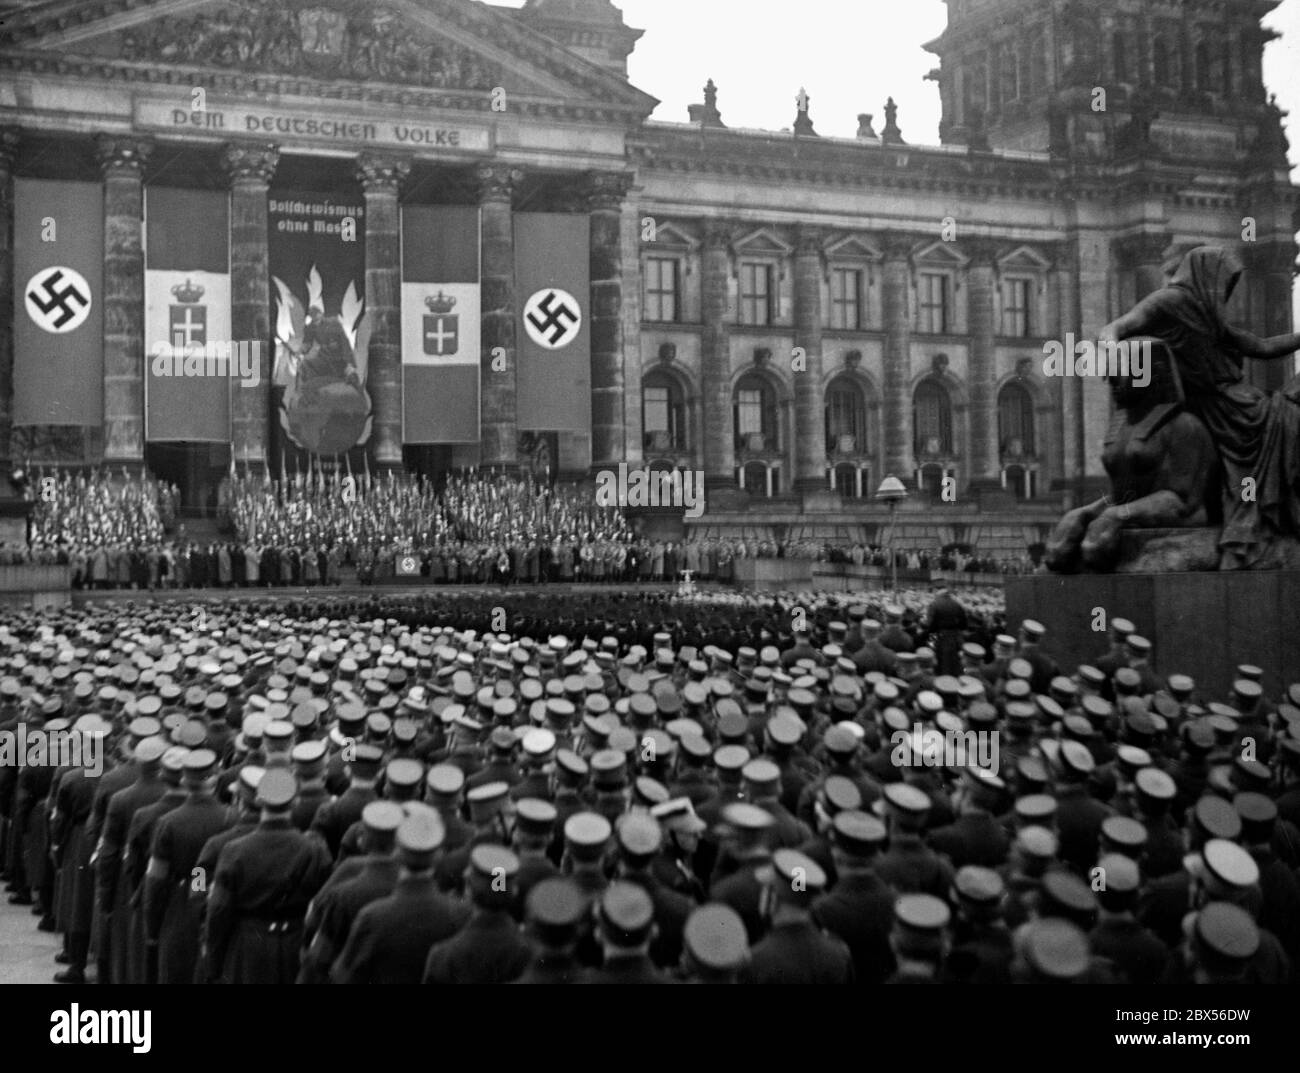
column 892, row 491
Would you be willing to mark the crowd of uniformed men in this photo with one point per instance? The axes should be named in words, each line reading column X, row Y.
column 452, row 788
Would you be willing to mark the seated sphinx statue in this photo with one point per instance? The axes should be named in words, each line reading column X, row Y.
column 1163, row 469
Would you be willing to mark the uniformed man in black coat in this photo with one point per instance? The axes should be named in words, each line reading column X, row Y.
column 1138, row 956
column 859, row 908
column 141, row 964
column 489, row 949
column 982, row 947
column 112, row 893
column 1078, row 814
column 171, row 920
column 349, row 890
column 795, row 950
column 1045, row 668
column 873, row 655
column 244, row 816
column 534, row 828
column 554, row 912
column 909, row 865
column 308, row 758
column 1116, row 656
column 919, row 939
column 71, row 848
column 263, row 885
column 761, row 782
column 893, row 636
column 640, row 838
column 333, row 818
column 945, row 621
column 390, row 939
column 625, row 928
column 746, row 850
column 975, row 836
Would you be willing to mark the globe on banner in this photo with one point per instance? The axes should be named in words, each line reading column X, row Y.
column 329, row 418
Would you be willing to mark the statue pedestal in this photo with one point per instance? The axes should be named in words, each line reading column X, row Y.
column 1166, row 551
column 1201, row 624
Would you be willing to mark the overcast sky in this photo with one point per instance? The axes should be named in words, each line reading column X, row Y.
column 850, row 55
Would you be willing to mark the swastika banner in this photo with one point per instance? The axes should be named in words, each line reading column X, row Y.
column 552, row 289
column 189, row 372
column 58, row 303
column 440, row 324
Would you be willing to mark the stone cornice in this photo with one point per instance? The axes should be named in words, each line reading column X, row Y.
column 775, row 158
column 256, row 87
column 54, row 31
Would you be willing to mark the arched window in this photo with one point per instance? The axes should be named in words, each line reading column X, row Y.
column 663, row 413
column 1010, row 75
column 1037, row 66
column 976, row 88
column 931, row 419
column 1015, row 421
column 932, row 480
column 1225, row 66
column 1086, row 49
column 1204, row 68
column 846, row 480
column 1015, row 478
column 755, row 474
column 846, row 417
column 755, row 414
column 1165, row 65
column 1119, row 52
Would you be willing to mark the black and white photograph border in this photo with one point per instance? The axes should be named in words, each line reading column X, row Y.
column 708, row 493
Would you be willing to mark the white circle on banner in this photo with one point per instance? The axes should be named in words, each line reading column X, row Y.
column 58, row 299
column 408, row 564
column 552, row 318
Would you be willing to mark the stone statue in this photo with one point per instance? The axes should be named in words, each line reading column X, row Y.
column 1162, row 468
column 1254, row 436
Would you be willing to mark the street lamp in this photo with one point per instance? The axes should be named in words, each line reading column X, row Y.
column 892, row 491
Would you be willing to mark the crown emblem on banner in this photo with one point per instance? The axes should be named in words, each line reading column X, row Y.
column 440, row 303
column 188, row 292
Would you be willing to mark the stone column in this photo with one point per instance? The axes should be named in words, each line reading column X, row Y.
column 981, row 293
column 715, row 359
column 381, row 176
column 895, row 283
column 809, row 412
column 9, row 140
column 499, row 434
column 633, row 433
column 250, row 167
column 122, row 161
column 1271, row 263
column 1144, row 254
column 606, row 193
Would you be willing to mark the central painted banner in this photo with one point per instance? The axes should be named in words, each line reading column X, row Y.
column 319, row 327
